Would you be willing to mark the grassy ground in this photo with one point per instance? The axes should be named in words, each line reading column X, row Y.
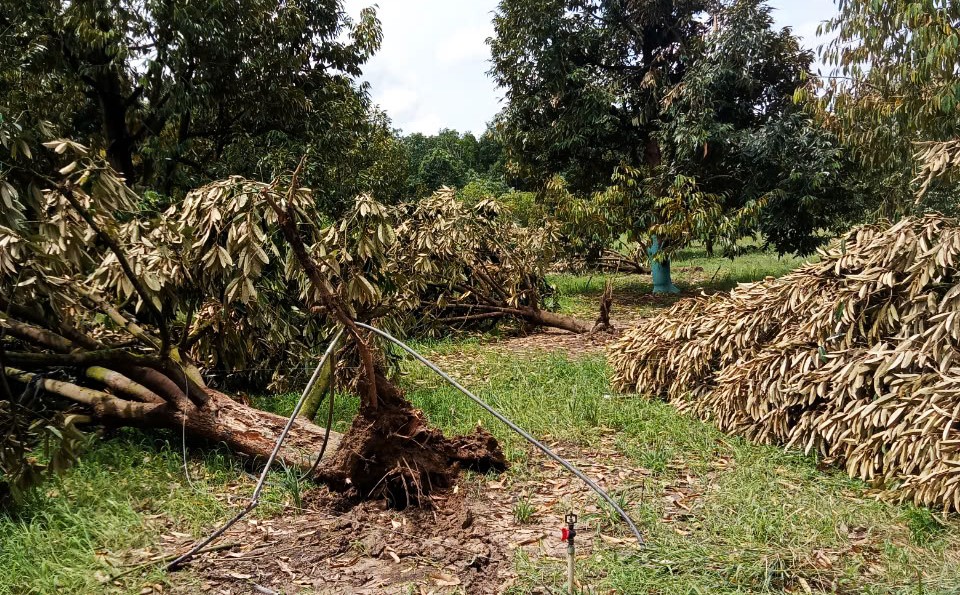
column 761, row 520
column 692, row 270
column 764, row 521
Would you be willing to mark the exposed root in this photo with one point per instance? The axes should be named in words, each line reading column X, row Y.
column 395, row 455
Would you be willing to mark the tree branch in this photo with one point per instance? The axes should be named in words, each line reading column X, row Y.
column 50, row 321
column 471, row 317
column 37, row 335
column 160, row 384
column 288, row 227
column 135, row 330
column 83, row 358
column 102, row 404
column 121, row 383
column 149, row 371
column 111, row 243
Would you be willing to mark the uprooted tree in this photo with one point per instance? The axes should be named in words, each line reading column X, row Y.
column 111, row 315
column 472, row 264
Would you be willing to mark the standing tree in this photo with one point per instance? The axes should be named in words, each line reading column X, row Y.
column 449, row 158
column 441, row 168
column 894, row 84
column 656, row 119
column 740, row 149
column 584, row 82
column 180, row 93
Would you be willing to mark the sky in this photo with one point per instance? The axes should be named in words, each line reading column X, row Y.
column 431, row 71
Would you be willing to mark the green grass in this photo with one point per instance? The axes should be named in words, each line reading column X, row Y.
column 523, row 510
column 692, row 270
column 766, row 521
column 128, row 491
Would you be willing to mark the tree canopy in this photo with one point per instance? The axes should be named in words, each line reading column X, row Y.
column 893, row 84
column 180, row 93
column 451, row 158
column 677, row 117
column 584, row 81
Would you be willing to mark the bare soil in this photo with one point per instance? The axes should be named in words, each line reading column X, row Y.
column 464, row 540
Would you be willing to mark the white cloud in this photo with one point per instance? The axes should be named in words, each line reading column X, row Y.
column 427, row 123
column 465, row 45
column 430, row 72
column 803, row 17
column 398, row 100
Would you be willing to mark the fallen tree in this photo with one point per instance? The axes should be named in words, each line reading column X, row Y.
column 856, row 357
column 96, row 315
column 113, row 312
column 473, row 264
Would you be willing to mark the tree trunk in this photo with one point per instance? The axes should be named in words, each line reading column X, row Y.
column 660, row 270
column 219, row 419
column 554, row 320
column 528, row 314
column 120, row 143
column 320, row 389
column 254, row 432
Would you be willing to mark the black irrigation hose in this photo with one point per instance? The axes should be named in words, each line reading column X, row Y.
column 255, row 498
column 543, row 448
column 326, row 437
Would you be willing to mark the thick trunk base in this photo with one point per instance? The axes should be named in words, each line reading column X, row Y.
column 395, row 455
column 253, row 432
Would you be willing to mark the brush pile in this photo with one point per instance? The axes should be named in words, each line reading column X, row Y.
column 854, row 357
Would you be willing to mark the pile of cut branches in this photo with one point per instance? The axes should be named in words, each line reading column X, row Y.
column 854, row 357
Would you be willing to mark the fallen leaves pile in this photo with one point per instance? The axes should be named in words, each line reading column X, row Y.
column 855, row 357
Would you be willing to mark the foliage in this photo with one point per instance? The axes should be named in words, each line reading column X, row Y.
column 439, row 168
column 108, row 309
column 732, row 129
column 178, row 94
column 147, row 304
column 646, row 118
column 450, row 158
column 584, row 82
column 893, row 84
column 937, row 160
column 474, row 263
column 852, row 357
